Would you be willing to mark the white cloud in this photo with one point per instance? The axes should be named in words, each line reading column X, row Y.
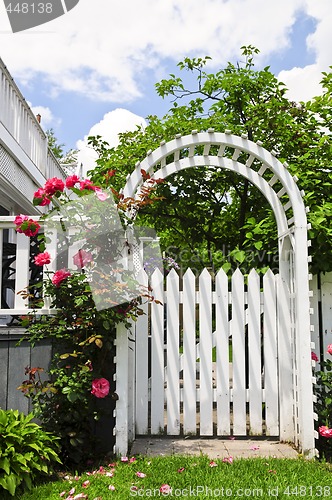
column 303, row 83
column 100, row 49
column 114, row 122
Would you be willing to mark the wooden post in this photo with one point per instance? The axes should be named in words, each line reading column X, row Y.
column 121, row 410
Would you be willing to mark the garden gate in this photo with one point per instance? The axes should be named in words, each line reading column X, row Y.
column 273, row 397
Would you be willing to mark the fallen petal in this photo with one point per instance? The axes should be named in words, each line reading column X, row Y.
column 165, row 488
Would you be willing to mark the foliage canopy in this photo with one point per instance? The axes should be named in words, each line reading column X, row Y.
column 209, row 217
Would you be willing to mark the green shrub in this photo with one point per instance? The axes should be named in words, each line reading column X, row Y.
column 26, row 451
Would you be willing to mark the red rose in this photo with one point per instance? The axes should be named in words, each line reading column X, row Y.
column 53, row 185
column 40, row 198
column 87, row 184
column 325, row 431
column 81, row 258
column 314, row 356
column 27, row 226
column 100, row 387
column 71, row 181
column 59, row 276
column 329, row 348
column 42, row 258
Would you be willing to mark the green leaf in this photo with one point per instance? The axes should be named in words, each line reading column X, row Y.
column 258, row 245
column 72, row 397
column 3, row 418
column 5, row 464
column 10, row 483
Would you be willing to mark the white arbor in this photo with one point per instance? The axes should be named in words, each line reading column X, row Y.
column 271, row 177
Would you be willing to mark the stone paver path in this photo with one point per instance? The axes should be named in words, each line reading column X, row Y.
column 213, row 448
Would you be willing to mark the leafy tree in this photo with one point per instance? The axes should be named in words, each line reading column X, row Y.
column 54, row 146
column 65, row 158
column 209, row 214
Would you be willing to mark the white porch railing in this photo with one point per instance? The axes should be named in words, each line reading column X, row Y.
column 22, row 125
column 15, row 273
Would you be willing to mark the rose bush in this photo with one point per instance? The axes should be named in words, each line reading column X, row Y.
column 89, row 301
column 323, row 407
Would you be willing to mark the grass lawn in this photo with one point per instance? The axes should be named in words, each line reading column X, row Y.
column 197, row 477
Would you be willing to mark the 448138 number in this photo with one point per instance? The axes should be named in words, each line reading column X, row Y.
column 308, row 491
column 30, row 8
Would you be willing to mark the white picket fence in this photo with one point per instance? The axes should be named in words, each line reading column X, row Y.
column 213, row 359
column 168, row 381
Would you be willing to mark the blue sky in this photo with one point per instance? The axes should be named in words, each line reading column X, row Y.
column 104, row 56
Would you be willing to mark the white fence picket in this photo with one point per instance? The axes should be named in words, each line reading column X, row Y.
column 254, row 354
column 270, row 355
column 238, row 352
column 205, row 337
column 157, row 353
column 132, row 381
column 189, row 354
column 142, row 363
column 285, row 354
column 222, row 355
column 121, row 379
column 172, row 375
column 314, row 320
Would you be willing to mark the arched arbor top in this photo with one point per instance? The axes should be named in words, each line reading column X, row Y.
column 234, row 153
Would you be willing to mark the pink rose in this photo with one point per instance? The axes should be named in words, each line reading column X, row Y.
column 42, row 258
column 314, row 356
column 325, row 431
column 329, row 348
column 101, row 195
column 19, row 219
column 53, row 185
column 40, row 198
column 87, row 184
column 59, row 276
column 27, row 226
column 71, row 181
column 82, row 258
column 100, row 387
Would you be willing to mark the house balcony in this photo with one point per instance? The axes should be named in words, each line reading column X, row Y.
column 25, row 159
